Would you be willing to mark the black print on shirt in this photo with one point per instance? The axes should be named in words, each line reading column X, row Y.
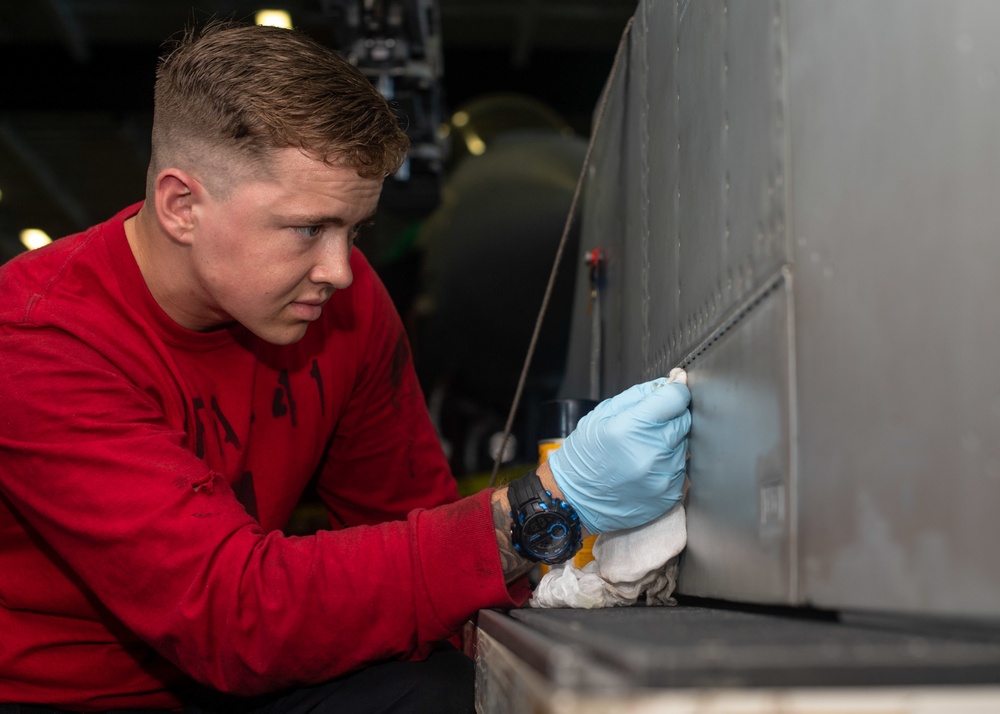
column 283, row 392
column 315, row 374
column 199, row 428
column 231, row 437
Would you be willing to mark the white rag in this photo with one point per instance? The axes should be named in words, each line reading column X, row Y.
column 627, row 564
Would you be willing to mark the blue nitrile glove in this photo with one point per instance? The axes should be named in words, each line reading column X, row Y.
column 624, row 463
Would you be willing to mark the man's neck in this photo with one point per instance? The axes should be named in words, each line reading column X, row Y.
column 157, row 259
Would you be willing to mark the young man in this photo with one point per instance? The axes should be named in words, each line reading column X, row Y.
column 173, row 378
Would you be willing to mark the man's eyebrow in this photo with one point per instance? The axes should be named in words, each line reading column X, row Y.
column 324, row 220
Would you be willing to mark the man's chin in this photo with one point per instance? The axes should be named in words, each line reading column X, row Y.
column 282, row 336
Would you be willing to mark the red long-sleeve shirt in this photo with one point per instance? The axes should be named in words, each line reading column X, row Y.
column 146, row 471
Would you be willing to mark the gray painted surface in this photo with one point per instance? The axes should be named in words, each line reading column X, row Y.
column 800, row 202
column 896, row 173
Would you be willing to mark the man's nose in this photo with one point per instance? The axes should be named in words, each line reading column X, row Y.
column 334, row 264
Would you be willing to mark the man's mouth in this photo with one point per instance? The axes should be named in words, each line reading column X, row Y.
column 308, row 310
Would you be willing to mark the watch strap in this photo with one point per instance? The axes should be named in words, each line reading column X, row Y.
column 525, row 489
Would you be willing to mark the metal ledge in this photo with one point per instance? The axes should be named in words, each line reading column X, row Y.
column 696, row 647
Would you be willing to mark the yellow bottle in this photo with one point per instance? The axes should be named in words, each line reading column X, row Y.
column 558, row 418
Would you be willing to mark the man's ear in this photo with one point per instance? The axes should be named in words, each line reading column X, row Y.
column 176, row 193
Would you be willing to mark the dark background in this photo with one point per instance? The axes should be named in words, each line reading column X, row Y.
column 76, row 90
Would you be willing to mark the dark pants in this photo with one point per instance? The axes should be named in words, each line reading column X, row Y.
column 441, row 684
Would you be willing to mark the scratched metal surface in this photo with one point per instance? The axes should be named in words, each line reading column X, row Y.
column 849, row 154
column 686, row 196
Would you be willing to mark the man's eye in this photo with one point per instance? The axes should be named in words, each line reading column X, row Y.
column 310, row 231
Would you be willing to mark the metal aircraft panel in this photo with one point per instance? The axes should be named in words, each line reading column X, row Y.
column 853, row 148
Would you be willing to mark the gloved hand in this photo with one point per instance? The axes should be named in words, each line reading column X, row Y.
column 624, row 463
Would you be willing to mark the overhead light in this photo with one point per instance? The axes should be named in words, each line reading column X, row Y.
column 474, row 144
column 273, row 18
column 32, row 238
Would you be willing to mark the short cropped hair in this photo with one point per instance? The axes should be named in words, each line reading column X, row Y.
column 228, row 91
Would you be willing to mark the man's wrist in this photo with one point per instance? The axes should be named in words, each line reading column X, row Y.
column 545, row 528
column 550, row 485
column 514, row 565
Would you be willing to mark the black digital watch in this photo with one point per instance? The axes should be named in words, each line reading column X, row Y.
column 543, row 529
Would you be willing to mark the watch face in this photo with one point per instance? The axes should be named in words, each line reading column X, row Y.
column 546, row 534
